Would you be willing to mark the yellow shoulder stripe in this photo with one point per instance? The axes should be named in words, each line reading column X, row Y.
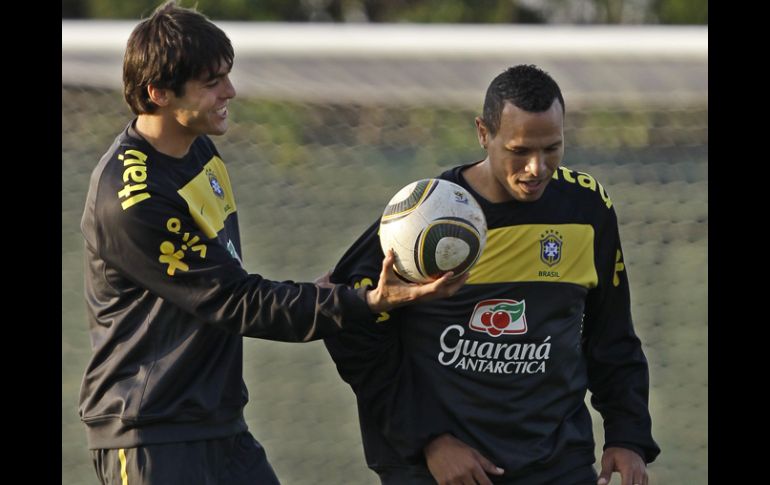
column 209, row 197
column 554, row 253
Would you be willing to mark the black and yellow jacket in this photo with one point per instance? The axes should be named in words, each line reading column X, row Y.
column 168, row 299
column 505, row 363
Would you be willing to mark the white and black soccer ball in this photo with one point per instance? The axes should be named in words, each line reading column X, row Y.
column 433, row 226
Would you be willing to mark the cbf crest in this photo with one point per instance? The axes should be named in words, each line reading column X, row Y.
column 215, row 185
column 551, row 243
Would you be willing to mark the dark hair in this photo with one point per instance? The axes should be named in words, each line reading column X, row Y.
column 526, row 87
column 168, row 49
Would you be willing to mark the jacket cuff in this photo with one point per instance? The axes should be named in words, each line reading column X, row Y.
column 647, row 454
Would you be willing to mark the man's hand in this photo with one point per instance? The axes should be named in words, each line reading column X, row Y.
column 392, row 292
column 629, row 464
column 452, row 462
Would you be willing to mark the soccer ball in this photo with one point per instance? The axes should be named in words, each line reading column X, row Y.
column 433, row 226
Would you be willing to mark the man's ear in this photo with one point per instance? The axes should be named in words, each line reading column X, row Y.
column 482, row 132
column 158, row 95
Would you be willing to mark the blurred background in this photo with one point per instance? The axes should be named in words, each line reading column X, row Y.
column 342, row 102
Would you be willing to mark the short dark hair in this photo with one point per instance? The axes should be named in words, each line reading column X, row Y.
column 169, row 48
column 526, row 87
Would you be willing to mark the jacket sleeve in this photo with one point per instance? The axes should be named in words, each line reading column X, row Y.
column 617, row 368
column 371, row 359
column 157, row 245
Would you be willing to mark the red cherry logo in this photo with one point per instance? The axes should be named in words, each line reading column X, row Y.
column 501, row 319
column 486, row 318
column 494, row 331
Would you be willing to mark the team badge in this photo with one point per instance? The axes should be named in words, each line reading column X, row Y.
column 550, row 247
column 496, row 317
column 215, row 185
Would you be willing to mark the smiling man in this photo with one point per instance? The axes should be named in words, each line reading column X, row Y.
column 524, row 145
column 168, row 298
column 488, row 386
